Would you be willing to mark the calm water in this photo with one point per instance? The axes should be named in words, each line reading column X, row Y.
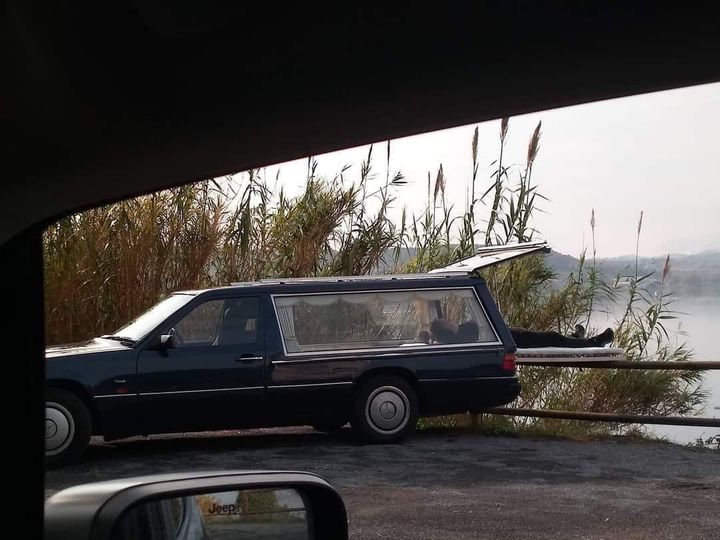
column 701, row 321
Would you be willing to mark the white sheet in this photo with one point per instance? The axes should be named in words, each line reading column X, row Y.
column 588, row 354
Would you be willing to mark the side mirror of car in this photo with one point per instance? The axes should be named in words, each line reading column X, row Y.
column 167, row 341
column 199, row 506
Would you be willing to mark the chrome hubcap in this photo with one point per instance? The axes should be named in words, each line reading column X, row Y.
column 387, row 410
column 59, row 428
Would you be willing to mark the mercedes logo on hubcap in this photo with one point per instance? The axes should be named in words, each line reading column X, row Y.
column 50, row 429
column 387, row 410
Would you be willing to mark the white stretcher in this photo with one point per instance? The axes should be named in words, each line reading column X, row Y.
column 564, row 354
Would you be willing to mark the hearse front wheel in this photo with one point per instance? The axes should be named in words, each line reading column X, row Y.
column 67, row 427
column 385, row 410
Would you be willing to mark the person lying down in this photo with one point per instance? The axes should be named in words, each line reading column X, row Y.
column 444, row 331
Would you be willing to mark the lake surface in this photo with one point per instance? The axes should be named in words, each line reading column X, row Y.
column 701, row 321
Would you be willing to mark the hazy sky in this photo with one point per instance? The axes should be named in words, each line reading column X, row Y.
column 659, row 153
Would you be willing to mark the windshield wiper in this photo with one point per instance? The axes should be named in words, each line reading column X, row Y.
column 123, row 339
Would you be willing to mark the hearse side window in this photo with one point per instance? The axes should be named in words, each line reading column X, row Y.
column 239, row 323
column 219, row 322
column 382, row 319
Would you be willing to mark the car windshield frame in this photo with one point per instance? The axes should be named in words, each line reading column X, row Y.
column 144, row 324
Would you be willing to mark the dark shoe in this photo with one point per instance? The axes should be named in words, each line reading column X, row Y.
column 579, row 332
column 603, row 339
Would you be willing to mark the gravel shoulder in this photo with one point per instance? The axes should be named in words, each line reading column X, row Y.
column 455, row 484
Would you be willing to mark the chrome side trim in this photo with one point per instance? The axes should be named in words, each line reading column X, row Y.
column 114, row 395
column 360, row 354
column 404, row 351
column 201, row 391
column 284, row 386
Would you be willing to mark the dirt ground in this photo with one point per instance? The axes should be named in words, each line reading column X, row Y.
column 457, row 485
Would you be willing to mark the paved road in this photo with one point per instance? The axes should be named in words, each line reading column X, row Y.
column 459, row 485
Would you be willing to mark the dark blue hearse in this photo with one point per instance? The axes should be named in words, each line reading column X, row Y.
column 377, row 352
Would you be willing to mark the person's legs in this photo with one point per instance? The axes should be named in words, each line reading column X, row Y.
column 527, row 339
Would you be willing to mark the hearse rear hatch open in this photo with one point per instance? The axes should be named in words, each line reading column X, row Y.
column 487, row 256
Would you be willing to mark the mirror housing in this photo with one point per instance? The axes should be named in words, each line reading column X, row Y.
column 92, row 511
column 166, row 341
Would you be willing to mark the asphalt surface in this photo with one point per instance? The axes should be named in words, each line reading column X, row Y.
column 458, row 485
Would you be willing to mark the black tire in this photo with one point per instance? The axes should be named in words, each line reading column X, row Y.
column 68, row 427
column 385, row 410
column 329, row 426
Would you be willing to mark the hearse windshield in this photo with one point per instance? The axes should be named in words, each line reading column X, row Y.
column 145, row 323
column 312, row 323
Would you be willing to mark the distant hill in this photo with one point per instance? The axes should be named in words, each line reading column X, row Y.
column 697, row 274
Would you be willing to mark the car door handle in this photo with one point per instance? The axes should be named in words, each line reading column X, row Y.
column 249, row 358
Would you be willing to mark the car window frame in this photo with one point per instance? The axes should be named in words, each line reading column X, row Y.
column 150, row 341
column 406, row 350
column 168, row 328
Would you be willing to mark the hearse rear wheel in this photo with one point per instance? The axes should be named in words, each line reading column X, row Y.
column 385, row 410
column 67, row 427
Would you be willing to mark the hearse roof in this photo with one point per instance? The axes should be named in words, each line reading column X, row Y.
column 351, row 279
column 339, row 283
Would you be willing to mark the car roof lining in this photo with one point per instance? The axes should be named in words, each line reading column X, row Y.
column 118, row 107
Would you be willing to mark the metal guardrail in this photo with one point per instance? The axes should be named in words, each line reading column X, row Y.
column 610, row 417
column 700, row 365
